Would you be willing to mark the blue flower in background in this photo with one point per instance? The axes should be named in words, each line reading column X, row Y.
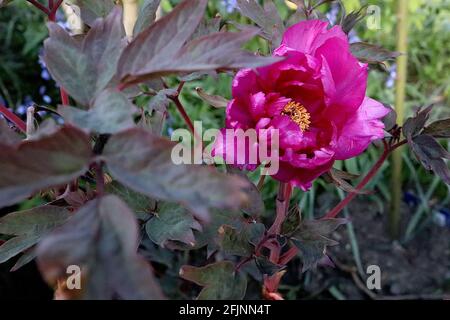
column 392, row 76
column 229, row 5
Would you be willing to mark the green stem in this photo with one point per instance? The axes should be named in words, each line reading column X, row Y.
column 397, row 163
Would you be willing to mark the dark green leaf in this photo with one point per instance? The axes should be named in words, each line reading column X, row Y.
column 242, row 241
column 369, row 53
column 172, row 222
column 139, row 203
column 29, row 227
column 101, row 238
column 292, row 221
column 219, row 280
column 312, row 239
column 38, row 164
column 266, row 267
column 143, row 162
column 112, row 112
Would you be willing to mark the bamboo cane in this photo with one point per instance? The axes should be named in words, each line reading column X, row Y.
column 397, row 164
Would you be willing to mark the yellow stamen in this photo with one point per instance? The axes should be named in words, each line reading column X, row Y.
column 298, row 114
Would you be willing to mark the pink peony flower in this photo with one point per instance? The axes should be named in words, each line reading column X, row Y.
column 316, row 97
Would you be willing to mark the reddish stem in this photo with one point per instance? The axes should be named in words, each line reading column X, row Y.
column 183, row 113
column 288, row 256
column 40, row 6
column 341, row 205
column 64, row 96
column 100, row 179
column 19, row 123
column 53, row 9
column 284, row 195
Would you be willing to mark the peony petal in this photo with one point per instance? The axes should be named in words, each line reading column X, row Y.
column 307, row 36
column 234, row 152
column 300, row 177
column 344, row 79
column 361, row 129
column 244, row 84
column 289, row 132
column 301, row 160
column 275, row 104
column 237, row 115
column 257, row 104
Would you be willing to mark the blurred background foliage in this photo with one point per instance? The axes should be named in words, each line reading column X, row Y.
column 24, row 80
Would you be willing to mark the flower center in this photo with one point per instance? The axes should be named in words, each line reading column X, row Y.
column 298, row 114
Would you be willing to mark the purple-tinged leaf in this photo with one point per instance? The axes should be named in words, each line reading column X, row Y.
column 369, row 53
column 38, row 164
column 27, row 256
column 220, row 281
column 255, row 206
column 390, row 120
column 221, row 50
column 215, row 101
column 207, row 26
column 414, row 125
column 7, row 135
column 154, row 54
column 439, row 129
column 16, row 245
column 338, row 178
column 102, row 239
column 142, row 161
column 353, row 18
column 111, row 112
column 147, row 15
column 159, row 43
column 103, row 46
column 28, row 227
column 90, row 10
column 312, row 239
column 68, row 65
column 267, row 18
column 431, row 154
column 85, row 68
column 172, row 223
